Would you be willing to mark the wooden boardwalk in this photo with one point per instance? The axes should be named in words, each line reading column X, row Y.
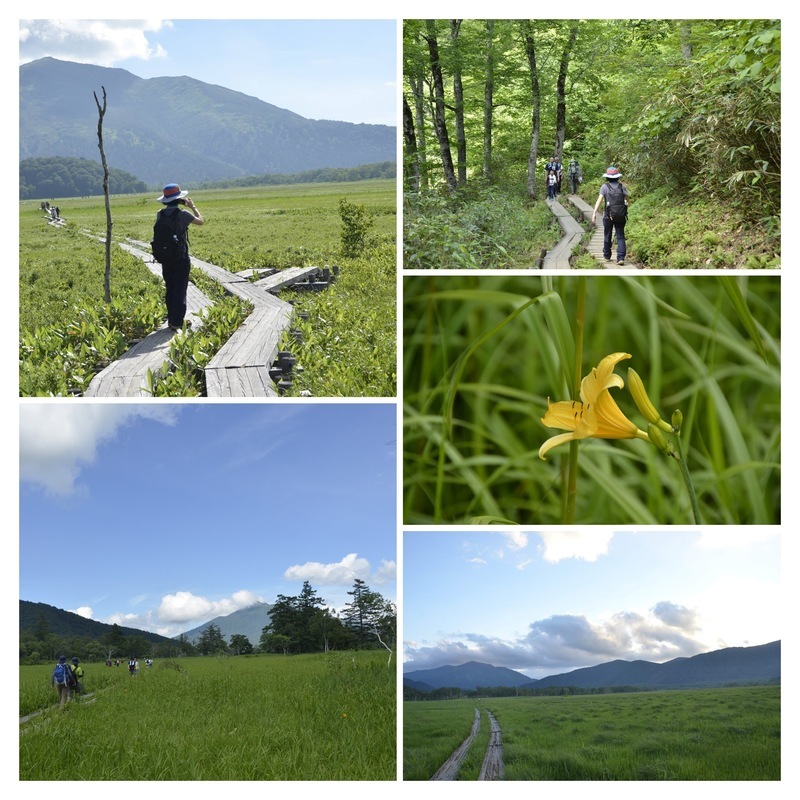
column 595, row 246
column 558, row 257
column 241, row 368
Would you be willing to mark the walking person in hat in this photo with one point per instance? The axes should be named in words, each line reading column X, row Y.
column 615, row 213
column 174, row 256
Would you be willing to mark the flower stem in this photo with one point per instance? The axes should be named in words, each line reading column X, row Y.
column 572, row 478
column 687, row 480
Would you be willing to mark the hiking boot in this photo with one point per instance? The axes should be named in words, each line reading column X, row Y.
column 621, row 262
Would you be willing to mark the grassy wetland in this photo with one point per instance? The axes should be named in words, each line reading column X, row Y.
column 725, row 734
column 320, row 717
column 68, row 333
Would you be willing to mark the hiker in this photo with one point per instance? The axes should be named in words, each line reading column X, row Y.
column 63, row 679
column 551, row 185
column 615, row 214
column 77, row 671
column 171, row 249
column 559, row 170
column 575, row 175
column 133, row 666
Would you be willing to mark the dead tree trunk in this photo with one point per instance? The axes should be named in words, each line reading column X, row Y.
column 101, row 111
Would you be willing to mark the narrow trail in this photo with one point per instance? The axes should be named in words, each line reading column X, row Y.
column 558, row 257
column 492, row 768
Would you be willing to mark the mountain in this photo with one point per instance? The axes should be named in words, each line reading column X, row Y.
column 759, row 664
column 248, row 621
column 66, row 623
column 180, row 129
column 464, row 676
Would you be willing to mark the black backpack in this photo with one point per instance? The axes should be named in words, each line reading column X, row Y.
column 615, row 202
column 170, row 238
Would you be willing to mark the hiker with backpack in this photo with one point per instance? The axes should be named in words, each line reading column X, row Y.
column 615, row 214
column 64, row 680
column 77, row 671
column 170, row 247
column 575, row 175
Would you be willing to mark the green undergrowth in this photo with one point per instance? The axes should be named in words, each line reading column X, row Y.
column 692, row 232
column 480, row 229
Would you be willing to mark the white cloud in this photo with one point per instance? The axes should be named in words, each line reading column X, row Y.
column 386, row 573
column 56, row 439
column 102, row 42
column 729, row 538
column 187, row 607
column 83, row 611
column 584, row 545
column 343, row 572
column 516, row 540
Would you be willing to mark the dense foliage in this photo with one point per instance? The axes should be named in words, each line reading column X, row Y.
column 689, row 108
column 382, row 169
column 71, row 177
column 302, row 623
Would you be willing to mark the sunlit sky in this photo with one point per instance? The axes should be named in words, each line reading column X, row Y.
column 336, row 69
column 546, row 603
column 163, row 516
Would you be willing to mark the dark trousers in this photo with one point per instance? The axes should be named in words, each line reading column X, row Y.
column 609, row 228
column 176, row 280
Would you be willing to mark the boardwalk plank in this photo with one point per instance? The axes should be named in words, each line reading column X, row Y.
column 240, row 382
column 126, row 376
column 255, row 343
column 286, row 277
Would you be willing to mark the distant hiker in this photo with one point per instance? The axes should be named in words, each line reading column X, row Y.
column 63, row 679
column 559, row 170
column 551, row 185
column 77, row 671
column 575, row 175
column 615, row 213
column 170, row 247
column 133, row 667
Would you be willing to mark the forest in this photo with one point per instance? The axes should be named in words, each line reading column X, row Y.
column 687, row 110
column 71, row 177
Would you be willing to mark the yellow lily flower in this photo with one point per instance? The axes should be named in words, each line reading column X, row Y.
column 597, row 415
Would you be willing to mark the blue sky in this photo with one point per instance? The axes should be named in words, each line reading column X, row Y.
column 321, row 69
column 545, row 603
column 162, row 516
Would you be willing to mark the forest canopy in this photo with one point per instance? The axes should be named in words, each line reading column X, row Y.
column 688, row 104
column 71, row 177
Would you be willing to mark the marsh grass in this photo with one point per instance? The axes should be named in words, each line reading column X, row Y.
column 432, row 731
column 710, row 734
column 349, row 346
column 323, row 717
column 482, row 354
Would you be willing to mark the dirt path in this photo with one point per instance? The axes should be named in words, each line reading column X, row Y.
column 492, row 768
column 449, row 770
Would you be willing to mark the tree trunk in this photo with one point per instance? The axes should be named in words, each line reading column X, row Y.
column 458, row 97
column 439, row 123
column 530, row 51
column 561, row 95
column 686, row 39
column 417, row 85
column 101, row 110
column 488, row 103
column 411, row 159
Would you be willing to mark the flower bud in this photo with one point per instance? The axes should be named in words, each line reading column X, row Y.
column 677, row 420
column 657, row 438
column 647, row 409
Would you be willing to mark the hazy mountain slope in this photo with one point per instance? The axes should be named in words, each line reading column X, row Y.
column 248, row 621
column 180, row 128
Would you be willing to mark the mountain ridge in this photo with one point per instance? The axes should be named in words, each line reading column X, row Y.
column 222, row 133
column 754, row 664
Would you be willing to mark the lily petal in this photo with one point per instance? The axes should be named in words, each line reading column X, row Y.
column 554, row 441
